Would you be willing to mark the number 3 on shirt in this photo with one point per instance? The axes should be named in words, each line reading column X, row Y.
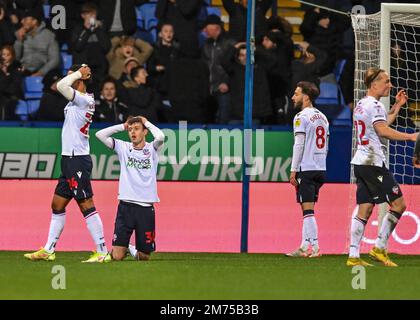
column 320, row 137
column 361, row 133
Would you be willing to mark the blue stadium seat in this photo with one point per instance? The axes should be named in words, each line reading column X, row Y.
column 328, row 95
column 151, row 23
column 147, row 12
column 214, row 10
column 47, row 11
column 33, row 87
column 64, row 47
column 67, row 61
column 22, row 110
column 140, row 20
column 338, row 70
column 343, row 118
column 33, row 106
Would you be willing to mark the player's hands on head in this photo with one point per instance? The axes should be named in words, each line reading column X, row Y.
column 85, row 71
column 143, row 119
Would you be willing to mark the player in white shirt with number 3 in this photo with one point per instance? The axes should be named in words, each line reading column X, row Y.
column 137, row 190
column 375, row 183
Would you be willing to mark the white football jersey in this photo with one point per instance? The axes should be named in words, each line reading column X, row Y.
column 78, row 117
column 314, row 124
column 138, row 172
column 370, row 148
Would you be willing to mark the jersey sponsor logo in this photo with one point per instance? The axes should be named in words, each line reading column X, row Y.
column 139, row 164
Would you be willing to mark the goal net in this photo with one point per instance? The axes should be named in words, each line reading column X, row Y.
column 390, row 39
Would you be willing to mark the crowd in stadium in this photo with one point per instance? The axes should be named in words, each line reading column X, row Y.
column 189, row 69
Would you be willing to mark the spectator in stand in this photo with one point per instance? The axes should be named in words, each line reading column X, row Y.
column 324, row 31
column 90, row 45
column 281, row 25
column 109, row 108
column 119, row 16
column 141, row 99
column 274, row 56
column 17, row 9
column 124, row 48
column 234, row 63
column 189, row 88
column 308, row 67
column 238, row 18
column 6, row 27
column 10, row 83
column 164, row 52
column 51, row 107
column 36, row 47
column 215, row 47
column 183, row 15
column 129, row 64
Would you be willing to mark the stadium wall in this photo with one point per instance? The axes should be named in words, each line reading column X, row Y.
column 201, row 217
column 34, row 153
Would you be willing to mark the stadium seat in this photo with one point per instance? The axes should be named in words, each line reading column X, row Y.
column 33, row 87
column 22, row 110
column 214, row 10
column 33, row 106
column 328, row 95
column 47, row 11
column 67, row 61
column 64, row 47
column 343, row 118
column 147, row 13
column 140, row 20
column 338, row 70
column 151, row 23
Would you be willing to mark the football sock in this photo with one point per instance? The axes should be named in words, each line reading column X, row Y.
column 94, row 224
column 311, row 228
column 388, row 225
column 356, row 235
column 58, row 219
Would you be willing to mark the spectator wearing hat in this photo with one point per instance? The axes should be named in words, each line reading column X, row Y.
column 51, row 107
column 215, row 47
column 90, row 44
column 324, row 31
column 124, row 48
column 129, row 64
column 109, row 108
column 17, row 8
column 164, row 53
column 238, row 18
column 36, row 47
column 183, row 15
column 6, row 27
column 10, row 83
column 141, row 98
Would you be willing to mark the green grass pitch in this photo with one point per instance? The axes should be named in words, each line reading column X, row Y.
column 206, row 276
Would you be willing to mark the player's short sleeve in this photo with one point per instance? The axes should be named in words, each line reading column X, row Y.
column 378, row 113
column 83, row 100
column 299, row 124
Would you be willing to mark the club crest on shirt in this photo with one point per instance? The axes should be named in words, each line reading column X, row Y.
column 146, row 152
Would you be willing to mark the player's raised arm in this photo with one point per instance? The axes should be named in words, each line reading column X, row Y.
column 64, row 86
column 104, row 135
column 382, row 129
column 158, row 135
column 400, row 100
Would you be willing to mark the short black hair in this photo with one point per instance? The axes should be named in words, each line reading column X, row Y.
column 108, row 79
column 135, row 71
column 89, row 7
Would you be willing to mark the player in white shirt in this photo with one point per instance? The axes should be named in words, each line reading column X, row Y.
column 375, row 183
column 307, row 174
column 76, row 167
column 137, row 186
